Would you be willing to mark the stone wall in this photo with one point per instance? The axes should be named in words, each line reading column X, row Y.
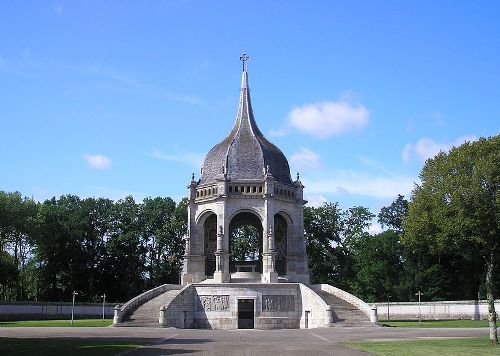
column 54, row 311
column 464, row 309
column 276, row 306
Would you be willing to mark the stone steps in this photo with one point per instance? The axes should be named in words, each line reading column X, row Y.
column 344, row 313
column 148, row 313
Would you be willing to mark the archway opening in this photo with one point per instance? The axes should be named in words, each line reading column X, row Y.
column 245, row 243
column 210, row 243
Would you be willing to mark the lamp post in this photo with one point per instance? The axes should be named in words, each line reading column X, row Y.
column 103, row 303
column 419, row 310
column 73, row 307
column 388, row 301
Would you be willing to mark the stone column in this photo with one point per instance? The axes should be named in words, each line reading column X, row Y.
column 219, row 255
column 269, row 274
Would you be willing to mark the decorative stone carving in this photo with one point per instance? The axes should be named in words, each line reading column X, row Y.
column 278, row 303
column 214, row 302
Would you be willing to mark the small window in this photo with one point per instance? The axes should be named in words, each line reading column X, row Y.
column 248, row 189
column 260, row 189
column 230, row 189
column 254, row 189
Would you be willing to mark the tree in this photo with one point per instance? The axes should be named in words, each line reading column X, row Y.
column 245, row 243
column 331, row 237
column 392, row 216
column 456, row 209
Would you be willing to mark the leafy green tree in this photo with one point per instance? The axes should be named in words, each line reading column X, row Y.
column 456, row 209
column 17, row 222
column 331, row 237
column 392, row 216
column 245, row 243
column 378, row 266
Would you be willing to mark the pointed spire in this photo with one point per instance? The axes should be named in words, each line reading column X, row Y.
column 244, row 77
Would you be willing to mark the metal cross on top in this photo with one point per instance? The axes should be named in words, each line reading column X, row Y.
column 244, row 58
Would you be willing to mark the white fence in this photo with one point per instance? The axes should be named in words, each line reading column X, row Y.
column 463, row 309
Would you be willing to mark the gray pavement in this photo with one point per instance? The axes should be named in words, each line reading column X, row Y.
column 170, row 341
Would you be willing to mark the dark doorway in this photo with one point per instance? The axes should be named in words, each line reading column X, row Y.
column 245, row 313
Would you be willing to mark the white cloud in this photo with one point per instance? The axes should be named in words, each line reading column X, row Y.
column 349, row 182
column 328, row 118
column 315, row 201
column 306, row 158
column 97, row 161
column 59, row 9
column 375, row 228
column 426, row 147
column 192, row 159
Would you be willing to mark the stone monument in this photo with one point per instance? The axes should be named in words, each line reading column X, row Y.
column 245, row 180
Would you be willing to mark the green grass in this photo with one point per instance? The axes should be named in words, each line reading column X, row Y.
column 9, row 346
column 455, row 347
column 38, row 323
column 436, row 323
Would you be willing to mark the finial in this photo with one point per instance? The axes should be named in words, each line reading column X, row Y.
column 192, row 177
column 244, row 58
column 298, row 176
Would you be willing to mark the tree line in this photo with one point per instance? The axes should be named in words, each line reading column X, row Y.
column 92, row 246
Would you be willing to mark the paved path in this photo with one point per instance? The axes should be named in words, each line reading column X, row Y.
column 170, row 341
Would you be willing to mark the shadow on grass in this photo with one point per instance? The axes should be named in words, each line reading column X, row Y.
column 93, row 346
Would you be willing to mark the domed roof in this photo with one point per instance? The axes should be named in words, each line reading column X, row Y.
column 245, row 154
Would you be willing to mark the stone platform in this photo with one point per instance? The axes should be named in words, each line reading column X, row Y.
column 230, row 306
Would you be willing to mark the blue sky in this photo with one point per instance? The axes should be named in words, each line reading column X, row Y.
column 110, row 98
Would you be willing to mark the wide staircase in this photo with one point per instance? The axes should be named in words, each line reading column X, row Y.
column 148, row 313
column 344, row 313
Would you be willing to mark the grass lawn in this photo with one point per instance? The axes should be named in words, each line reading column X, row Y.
column 436, row 323
column 455, row 347
column 38, row 323
column 9, row 346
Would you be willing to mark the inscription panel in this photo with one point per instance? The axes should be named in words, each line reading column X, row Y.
column 214, row 302
column 278, row 303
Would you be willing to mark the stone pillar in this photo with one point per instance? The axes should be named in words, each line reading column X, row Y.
column 219, row 257
column 270, row 275
column 374, row 315
column 117, row 318
column 162, row 320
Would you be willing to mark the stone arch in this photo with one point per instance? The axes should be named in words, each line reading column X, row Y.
column 202, row 216
column 246, row 217
column 247, row 209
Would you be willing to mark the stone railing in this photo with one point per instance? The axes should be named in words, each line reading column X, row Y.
column 207, row 192
column 134, row 303
column 251, row 189
column 284, row 192
column 178, row 312
column 370, row 311
column 314, row 302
